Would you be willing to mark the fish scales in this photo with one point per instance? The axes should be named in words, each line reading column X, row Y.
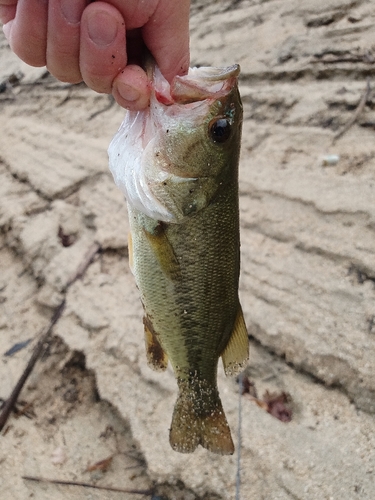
column 194, row 301
column 184, row 243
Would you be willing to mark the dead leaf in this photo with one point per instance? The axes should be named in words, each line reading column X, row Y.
column 102, row 465
column 248, row 387
column 278, row 405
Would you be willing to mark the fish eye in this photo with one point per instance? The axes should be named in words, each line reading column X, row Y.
column 220, row 129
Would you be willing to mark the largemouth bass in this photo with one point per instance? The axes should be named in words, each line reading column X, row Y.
column 177, row 164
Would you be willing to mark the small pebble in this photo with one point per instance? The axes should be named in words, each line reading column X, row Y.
column 330, row 160
column 58, row 456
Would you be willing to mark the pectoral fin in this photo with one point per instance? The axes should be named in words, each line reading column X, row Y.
column 157, row 359
column 164, row 252
column 236, row 353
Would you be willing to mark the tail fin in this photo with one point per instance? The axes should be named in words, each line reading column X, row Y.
column 199, row 418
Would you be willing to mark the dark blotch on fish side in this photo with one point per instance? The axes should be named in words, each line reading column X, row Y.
column 155, row 354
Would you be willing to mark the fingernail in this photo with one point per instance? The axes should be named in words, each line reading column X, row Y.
column 7, row 28
column 72, row 10
column 127, row 92
column 102, row 28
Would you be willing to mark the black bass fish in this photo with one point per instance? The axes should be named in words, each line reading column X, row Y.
column 177, row 164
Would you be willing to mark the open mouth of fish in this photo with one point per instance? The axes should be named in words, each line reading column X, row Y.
column 140, row 137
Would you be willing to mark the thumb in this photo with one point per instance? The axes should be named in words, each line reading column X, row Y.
column 166, row 35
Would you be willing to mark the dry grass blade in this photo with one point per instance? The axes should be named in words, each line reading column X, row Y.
column 102, row 465
column 11, row 401
column 86, row 485
column 357, row 113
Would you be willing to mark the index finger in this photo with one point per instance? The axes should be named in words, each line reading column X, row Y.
column 165, row 30
column 28, row 34
column 7, row 10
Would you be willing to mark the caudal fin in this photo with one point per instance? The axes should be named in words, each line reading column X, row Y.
column 199, row 418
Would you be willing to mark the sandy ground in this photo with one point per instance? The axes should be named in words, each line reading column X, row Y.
column 307, row 284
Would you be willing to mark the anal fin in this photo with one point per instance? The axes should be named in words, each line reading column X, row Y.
column 157, row 359
column 236, row 353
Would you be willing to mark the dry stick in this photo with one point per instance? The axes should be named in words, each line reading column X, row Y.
column 357, row 113
column 11, row 401
column 353, row 59
column 86, row 485
column 111, row 102
column 38, row 349
column 91, row 252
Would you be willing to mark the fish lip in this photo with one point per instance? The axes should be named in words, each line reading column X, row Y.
column 200, row 84
column 191, row 95
column 213, row 74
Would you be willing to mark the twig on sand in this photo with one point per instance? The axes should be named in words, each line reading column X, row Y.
column 87, row 485
column 91, row 252
column 357, row 113
column 111, row 102
column 39, row 348
column 11, row 401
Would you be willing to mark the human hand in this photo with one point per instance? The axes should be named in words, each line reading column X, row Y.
column 102, row 42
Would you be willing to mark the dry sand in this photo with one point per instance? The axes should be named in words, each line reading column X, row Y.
column 307, row 284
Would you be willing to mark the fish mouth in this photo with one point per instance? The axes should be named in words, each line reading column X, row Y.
column 136, row 159
column 199, row 84
column 210, row 74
